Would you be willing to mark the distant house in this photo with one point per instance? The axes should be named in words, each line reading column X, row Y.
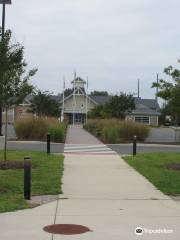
column 77, row 104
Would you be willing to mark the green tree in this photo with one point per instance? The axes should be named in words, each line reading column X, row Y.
column 14, row 81
column 99, row 93
column 117, row 106
column 42, row 104
column 98, row 111
column 67, row 92
column 170, row 91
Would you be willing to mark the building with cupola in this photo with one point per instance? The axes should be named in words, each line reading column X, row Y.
column 75, row 107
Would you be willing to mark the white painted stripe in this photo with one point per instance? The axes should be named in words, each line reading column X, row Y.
column 88, row 147
column 110, row 152
column 89, row 151
column 84, row 145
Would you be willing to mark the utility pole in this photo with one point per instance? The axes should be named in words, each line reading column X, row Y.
column 138, row 88
column 3, row 2
column 74, row 98
column 62, row 110
column 87, row 99
column 157, row 89
column 3, row 18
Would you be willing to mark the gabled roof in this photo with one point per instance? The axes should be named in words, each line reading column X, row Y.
column 78, row 80
column 28, row 98
column 101, row 99
column 143, row 106
column 144, row 111
column 150, row 103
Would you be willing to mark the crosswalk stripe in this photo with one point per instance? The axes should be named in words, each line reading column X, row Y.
column 84, row 145
column 85, row 148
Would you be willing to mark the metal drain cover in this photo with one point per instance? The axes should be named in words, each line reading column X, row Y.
column 66, row 229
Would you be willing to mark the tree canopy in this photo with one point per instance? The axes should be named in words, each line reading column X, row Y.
column 99, row 93
column 170, row 91
column 42, row 104
column 14, row 81
column 117, row 106
column 67, row 92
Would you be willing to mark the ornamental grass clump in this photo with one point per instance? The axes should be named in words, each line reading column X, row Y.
column 113, row 131
column 129, row 129
column 31, row 129
column 38, row 128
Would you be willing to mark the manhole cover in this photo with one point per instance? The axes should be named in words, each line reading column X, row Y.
column 66, row 229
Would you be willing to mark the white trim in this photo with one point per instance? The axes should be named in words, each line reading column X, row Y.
column 71, row 95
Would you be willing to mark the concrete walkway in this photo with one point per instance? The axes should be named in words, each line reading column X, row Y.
column 77, row 135
column 110, row 198
column 103, row 193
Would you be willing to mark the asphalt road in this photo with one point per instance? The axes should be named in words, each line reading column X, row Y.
column 35, row 146
column 119, row 148
column 146, row 148
column 157, row 135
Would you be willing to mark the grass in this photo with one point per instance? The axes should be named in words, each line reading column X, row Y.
column 153, row 167
column 47, row 172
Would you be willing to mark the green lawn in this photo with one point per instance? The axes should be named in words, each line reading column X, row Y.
column 47, row 172
column 153, row 167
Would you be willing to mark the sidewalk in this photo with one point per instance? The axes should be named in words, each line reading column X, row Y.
column 112, row 199
column 101, row 192
column 77, row 135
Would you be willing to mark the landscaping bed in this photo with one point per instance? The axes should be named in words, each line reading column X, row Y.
column 47, row 172
column 161, row 169
column 113, row 131
column 38, row 128
column 6, row 165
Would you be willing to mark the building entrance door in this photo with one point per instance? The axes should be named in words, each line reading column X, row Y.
column 79, row 119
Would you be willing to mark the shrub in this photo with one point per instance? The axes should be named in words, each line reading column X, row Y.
column 116, row 131
column 31, row 129
column 129, row 129
column 37, row 129
column 58, row 132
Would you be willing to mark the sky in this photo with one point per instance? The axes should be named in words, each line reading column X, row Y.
column 113, row 42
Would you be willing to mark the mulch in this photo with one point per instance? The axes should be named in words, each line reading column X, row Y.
column 3, row 190
column 173, row 166
column 7, row 165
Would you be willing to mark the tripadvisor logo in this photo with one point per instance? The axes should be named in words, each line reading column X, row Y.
column 139, row 231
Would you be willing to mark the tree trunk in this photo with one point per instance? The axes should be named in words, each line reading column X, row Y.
column 6, row 124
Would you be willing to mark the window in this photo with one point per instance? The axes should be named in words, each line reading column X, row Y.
column 141, row 119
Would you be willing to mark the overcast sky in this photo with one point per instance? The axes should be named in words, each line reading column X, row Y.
column 113, row 42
